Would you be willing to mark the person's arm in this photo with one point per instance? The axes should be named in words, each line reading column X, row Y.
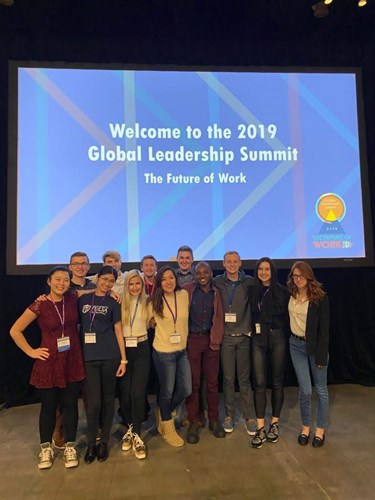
column 120, row 340
column 80, row 293
column 17, row 335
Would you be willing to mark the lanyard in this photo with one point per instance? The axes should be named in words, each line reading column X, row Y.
column 149, row 288
column 132, row 319
column 232, row 294
column 174, row 316
column 261, row 302
column 92, row 311
column 62, row 318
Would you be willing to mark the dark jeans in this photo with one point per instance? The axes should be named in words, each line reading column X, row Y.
column 67, row 400
column 100, row 389
column 275, row 355
column 133, row 385
column 201, row 356
column 235, row 352
column 174, row 375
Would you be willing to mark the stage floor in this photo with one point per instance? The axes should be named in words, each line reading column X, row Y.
column 344, row 468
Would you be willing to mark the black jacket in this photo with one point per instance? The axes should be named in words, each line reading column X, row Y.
column 317, row 331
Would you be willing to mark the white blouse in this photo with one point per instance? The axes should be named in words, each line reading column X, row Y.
column 298, row 316
column 139, row 326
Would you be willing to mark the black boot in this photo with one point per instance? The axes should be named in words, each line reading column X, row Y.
column 90, row 454
column 192, row 436
column 102, row 451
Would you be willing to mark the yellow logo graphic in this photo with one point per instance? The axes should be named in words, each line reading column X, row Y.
column 330, row 208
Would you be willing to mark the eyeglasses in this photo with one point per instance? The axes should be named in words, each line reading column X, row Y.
column 297, row 277
column 107, row 280
column 79, row 264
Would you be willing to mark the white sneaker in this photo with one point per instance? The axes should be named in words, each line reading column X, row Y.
column 127, row 440
column 139, row 447
column 45, row 456
column 70, row 456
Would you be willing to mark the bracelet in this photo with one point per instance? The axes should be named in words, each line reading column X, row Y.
column 124, row 361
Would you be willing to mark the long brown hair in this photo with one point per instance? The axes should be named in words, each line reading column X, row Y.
column 314, row 290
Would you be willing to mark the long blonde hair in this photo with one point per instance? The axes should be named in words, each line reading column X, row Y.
column 125, row 304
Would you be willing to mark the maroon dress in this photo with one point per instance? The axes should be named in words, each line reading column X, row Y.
column 61, row 368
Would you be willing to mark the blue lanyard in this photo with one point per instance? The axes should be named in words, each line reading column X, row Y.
column 134, row 314
column 232, row 294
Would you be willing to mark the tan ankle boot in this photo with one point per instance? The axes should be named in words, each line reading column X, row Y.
column 170, row 435
column 158, row 420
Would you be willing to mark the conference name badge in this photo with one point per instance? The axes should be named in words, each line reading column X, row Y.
column 230, row 317
column 63, row 344
column 175, row 338
column 90, row 338
column 131, row 341
column 257, row 328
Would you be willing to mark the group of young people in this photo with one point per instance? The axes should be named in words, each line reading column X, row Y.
column 183, row 323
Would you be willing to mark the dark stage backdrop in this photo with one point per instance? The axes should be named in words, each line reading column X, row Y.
column 220, row 32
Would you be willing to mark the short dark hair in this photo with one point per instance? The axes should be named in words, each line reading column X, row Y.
column 185, row 248
column 79, row 254
column 202, row 263
column 108, row 270
column 59, row 268
column 148, row 257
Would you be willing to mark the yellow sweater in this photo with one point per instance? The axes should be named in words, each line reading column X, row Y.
column 165, row 326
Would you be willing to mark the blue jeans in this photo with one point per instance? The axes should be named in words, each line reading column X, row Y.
column 174, row 376
column 302, row 363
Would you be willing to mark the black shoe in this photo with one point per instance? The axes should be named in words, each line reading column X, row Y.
column 90, row 454
column 202, row 419
column 273, row 433
column 192, row 436
column 303, row 439
column 102, row 451
column 216, row 428
column 259, row 438
column 317, row 441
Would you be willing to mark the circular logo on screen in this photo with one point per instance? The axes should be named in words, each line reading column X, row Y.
column 330, row 208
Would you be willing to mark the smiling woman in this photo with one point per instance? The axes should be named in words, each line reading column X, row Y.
column 104, row 355
column 169, row 305
column 133, row 385
column 309, row 324
column 269, row 306
column 58, row 367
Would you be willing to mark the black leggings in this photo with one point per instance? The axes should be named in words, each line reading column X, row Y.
column 100, row 389
column 67, row 400
column 133, row 385
column 275, row 353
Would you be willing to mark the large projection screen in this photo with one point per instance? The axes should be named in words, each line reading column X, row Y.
column 143, row 160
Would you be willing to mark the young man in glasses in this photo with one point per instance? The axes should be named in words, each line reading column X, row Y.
column 80, row 266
